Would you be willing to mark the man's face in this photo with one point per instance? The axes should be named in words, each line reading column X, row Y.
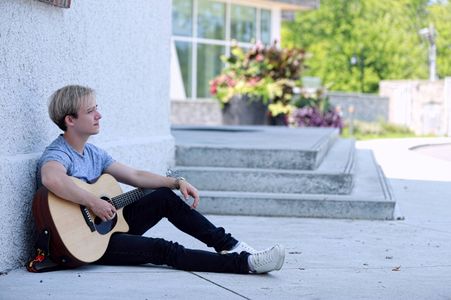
column 88, row 120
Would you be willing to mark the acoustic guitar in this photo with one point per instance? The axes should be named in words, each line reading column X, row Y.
column 77, row 235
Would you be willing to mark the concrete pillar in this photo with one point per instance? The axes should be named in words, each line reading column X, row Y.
column 447, row 101
column 119, row 48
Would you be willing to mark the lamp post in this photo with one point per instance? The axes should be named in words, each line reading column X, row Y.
column 429, row 34
column 360, row 60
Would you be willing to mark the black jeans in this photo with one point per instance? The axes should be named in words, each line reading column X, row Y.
column 132, row 248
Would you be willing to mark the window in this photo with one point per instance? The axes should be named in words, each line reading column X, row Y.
column 209, row 61
column 211, row 20
column 203, row 31
column 243, row 23
column 265, row 26
column 182, row 17
column 184, row 54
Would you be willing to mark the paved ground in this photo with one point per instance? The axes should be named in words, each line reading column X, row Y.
column 326, row 259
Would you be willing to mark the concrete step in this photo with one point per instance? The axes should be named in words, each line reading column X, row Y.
column 334, row 176
column 266, row 147
column 371, row 198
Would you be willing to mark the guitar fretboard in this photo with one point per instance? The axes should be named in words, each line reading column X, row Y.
column 127, row 198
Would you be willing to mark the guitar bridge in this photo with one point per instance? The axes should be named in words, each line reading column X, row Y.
column 87, row 217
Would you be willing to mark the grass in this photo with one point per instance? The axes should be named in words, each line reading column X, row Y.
column 377, row 130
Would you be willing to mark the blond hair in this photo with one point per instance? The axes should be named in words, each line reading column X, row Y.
column 66, row 102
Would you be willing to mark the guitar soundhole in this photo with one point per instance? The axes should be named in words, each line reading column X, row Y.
column 107, row 226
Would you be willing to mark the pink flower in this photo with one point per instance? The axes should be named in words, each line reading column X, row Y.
column 230, row 82
column 253, row 81
column 213, row 89
column 259, row 57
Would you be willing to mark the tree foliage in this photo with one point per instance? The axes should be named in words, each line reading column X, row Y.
column 440, row 16
column 356, row 43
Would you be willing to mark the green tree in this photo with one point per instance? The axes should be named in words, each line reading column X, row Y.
column 356, row 43
column 440, row 17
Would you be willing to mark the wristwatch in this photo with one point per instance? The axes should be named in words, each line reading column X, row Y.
column 177, row 181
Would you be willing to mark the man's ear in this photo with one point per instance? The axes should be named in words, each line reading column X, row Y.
column 69, row 120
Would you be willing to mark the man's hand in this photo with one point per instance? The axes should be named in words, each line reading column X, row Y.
column 188, row 190
column 103, row 209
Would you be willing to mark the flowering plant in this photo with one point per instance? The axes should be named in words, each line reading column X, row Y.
column 267, row 74
column 314, row 110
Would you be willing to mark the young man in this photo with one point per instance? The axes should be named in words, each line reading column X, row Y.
column 73, row 108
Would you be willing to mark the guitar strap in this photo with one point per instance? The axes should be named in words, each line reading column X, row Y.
column 41, row 261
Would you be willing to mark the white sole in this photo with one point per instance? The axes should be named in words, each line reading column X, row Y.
column 282, row 260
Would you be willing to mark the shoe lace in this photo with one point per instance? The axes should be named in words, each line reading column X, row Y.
column 263, row 258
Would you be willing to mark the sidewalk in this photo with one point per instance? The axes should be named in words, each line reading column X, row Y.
column 326, row 259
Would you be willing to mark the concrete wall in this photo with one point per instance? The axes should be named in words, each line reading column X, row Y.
column 422, row 105
column 119, row 48
column 369, row 108
column 196, row 112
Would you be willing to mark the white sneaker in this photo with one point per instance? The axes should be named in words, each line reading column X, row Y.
column 242, row 246
column 267, row 260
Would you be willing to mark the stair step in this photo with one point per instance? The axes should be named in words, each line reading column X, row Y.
column 267, row 147
column 334, row 176
column 370, row 199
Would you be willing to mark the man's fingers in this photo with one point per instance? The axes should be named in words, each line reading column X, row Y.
column 104, row 210
column 112, row 208
column 196, row 200
column 188, row 191
column 195, row 203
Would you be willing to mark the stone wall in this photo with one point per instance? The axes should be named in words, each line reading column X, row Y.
column 119, row 48
column 370, row 108
column 196, row 112
column 366, row 107
column 422, row 105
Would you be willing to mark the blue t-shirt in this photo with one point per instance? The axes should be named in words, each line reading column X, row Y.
column 87, row 167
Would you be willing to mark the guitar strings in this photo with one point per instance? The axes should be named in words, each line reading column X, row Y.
column 127, row 198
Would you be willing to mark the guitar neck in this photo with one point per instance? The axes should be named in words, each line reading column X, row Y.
column 127, row 198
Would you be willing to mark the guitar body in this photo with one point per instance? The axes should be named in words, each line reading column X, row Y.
column 77, row 236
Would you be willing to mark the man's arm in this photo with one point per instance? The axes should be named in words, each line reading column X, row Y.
column 144, row 179
column 55, row 179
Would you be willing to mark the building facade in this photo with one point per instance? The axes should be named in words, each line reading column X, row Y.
column 204, row 30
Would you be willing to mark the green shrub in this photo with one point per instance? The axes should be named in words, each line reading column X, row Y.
column 373, row 130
